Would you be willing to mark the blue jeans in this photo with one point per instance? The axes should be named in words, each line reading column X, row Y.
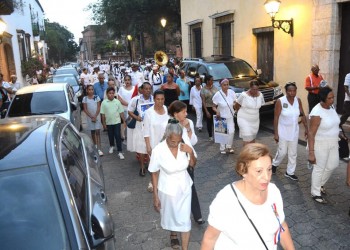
column 114, row 133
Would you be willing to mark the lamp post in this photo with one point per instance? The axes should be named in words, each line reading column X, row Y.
column 117, row 43
column 163, row 23
column 2, row 29
column 129, row 37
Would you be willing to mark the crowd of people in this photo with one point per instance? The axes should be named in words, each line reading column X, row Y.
column 145, row 107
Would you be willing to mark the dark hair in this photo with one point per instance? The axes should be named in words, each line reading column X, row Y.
column 207, row 78
column 158, row 92
column 88, row 86
column 288, row 84
column 145, row 83
column 253, row 83
column 109, row 89
column 176, row 107
column 127, row 76
column 197, row 77
column 323, row 93
column 249, row 153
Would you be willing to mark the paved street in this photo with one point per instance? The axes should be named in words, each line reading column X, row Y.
column 313, row 225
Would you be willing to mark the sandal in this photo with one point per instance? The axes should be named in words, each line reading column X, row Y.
column 174, row 241
column 319, row 199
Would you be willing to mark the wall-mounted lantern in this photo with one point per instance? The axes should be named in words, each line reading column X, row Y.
column 272, row 7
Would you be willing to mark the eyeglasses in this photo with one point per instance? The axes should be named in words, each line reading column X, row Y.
column 173, row 121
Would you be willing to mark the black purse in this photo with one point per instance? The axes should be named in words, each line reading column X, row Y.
column 343, row 145
column 131, row 122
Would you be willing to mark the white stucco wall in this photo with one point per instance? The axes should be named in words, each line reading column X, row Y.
column 21, row 20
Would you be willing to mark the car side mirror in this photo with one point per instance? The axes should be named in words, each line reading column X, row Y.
column 259, row 71
column 73, row 106
column 101, row 226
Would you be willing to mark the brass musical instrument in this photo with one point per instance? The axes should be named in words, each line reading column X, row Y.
column 161, row 58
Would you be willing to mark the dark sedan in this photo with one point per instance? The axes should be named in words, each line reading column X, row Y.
column 51, row 187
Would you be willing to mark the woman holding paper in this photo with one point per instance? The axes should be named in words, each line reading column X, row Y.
column 223, row 107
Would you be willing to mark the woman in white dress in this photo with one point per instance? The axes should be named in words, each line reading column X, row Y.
column 223, row 107
column 178, row 110
column 172, row 184
column 288, row 108
column 229, row 227
column 247, row 106
column 154, row 124
column 136, row 142
column 124, row 96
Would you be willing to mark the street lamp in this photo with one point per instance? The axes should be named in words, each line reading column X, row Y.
column 2, row 29
column 117, row 42
column 163, row 23
column 129, row 37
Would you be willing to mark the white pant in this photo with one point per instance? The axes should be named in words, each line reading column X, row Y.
column 199, row 115
column 285, row 147
column 327, row 159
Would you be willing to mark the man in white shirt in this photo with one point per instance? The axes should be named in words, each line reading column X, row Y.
column 136, row 76
column 346, row 106
column 155, row 78
column 14, row 85
column 5, row 90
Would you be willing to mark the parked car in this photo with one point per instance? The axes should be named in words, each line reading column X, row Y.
column 237, row 71
column 44, row 99
column 68, row 78
column 51, row 187
column 67, row 70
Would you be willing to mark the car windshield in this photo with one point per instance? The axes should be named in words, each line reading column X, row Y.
column 71, row 80
column 38, row 103
column 237, row 69
column 32, row 218
column 66, row 71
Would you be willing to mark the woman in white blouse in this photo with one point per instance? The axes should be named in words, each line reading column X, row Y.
column 154, row 124
column 247, row 106
column 172, row 184
column 196, row 102
column 223, row 106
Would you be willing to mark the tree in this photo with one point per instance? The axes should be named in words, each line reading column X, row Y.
column 62, row 46
column 136, row 17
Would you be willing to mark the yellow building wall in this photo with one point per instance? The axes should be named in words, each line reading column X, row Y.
column 292, row 55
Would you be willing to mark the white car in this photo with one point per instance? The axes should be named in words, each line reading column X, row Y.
column 43, row 99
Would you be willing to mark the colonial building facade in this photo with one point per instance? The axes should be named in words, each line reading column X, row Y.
column 243, row 29
column 24, row 37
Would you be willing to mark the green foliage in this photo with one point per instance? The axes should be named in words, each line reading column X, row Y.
column 60, row 41
column 31, row 66
column 135, row 16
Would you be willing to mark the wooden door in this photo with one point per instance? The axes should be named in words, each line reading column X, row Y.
column 265, row 56
column 344, row 62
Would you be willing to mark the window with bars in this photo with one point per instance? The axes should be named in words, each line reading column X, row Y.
column 223, row 35
column 195, row 40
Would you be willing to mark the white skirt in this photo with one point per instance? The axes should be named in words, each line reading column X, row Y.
column 248, row 125
column 136, row 142
column 175, row 211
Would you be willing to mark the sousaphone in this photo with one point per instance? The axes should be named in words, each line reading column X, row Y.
column 161, row 58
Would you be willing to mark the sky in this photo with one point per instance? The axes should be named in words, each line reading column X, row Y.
column 68, row 13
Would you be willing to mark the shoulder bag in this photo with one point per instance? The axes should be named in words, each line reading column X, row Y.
column 251, row 222
column 131, row 122
column 227, row 104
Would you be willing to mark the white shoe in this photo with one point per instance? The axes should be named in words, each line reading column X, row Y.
column 111, row 150
column 121, row 156
column 100, row 153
